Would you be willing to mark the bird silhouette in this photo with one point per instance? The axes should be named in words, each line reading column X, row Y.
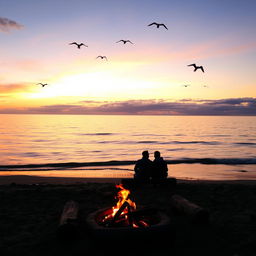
column 43, row 85
column 205, row 86
column 124, row 41
column 102, row 57
column 158, row 25
column 196, row 67
column 186, row 85
column 78, row 45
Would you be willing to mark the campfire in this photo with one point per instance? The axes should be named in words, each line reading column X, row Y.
column 125, row 214
column 127, row 221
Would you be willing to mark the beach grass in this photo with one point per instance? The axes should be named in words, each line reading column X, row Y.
column 30, row 215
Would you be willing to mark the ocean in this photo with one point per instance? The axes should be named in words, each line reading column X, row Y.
column 196, row 147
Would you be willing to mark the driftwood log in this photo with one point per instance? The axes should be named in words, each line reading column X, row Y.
column 183, row 206
column 68, row 225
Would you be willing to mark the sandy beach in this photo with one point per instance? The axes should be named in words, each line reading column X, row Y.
column 31, row 208
column 44, row 180
column 29, row 180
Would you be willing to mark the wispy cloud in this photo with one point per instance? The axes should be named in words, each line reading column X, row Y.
column 232, row 106
column 212, row 49
column 6, row 25
column 11, row 88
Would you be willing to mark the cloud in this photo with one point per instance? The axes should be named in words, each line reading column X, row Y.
column 212, row 49
column 229, row 107
column 239, row 106
column 11, row 88
column 6, row 25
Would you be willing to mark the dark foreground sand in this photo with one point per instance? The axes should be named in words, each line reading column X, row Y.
column 31, row 207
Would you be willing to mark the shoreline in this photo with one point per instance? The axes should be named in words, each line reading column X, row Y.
column 179, row 171
column 32, row 180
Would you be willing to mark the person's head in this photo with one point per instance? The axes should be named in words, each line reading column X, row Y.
column 145, row 154
column 157, row 154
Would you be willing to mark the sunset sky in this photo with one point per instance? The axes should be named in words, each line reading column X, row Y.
column 146, row 77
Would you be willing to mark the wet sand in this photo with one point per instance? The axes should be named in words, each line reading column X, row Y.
column 29, row 179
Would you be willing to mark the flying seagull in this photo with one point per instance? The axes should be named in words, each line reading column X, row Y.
column 78, row 45
column 43, row 85
column 196, row 67
column 186, row 85
column 124, row 41
column 102, row 57
column 158, row 25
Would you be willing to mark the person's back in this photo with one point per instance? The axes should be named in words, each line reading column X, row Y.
column 160, row 168
column 143, row 168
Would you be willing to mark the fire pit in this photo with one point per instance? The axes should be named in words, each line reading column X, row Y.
column 124, row 220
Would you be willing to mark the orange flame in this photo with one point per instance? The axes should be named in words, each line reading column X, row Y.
column 122, row 196
column 122, row 209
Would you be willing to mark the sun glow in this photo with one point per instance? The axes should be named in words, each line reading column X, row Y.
column 93, row 85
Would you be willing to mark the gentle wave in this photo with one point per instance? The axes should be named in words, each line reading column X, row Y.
column 226, row 161
column 65, row 165
column 201, row 142
column 97, row 134
column 245, row 143
column 158, row 142
column 173, row 142
column 196, row 142
column 148, row 142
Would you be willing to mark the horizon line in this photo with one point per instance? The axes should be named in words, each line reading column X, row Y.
column 100, row 114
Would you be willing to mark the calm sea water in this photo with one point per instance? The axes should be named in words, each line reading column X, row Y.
column 208, row 141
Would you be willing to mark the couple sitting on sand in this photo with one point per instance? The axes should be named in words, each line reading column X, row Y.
column 151, row 171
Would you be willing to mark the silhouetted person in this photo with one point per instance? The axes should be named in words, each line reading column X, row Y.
column 143, row 168
column 160, row 169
